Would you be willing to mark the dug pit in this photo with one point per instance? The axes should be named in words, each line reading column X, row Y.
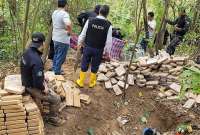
column 101, row 115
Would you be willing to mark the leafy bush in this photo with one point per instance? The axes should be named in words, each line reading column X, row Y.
column 190, row 79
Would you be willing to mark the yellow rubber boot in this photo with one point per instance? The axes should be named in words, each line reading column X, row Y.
column 80, row 81
column 93, row 80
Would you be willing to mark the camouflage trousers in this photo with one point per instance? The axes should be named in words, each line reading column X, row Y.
column 52, row 98
column 171, row 48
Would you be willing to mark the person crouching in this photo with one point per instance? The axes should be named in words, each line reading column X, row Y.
column 33, row 79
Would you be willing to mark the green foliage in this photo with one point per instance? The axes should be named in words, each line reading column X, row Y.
column 190, row 79
column 7, row 53
column 122, row 15
column 185, row 49
column 188, row 46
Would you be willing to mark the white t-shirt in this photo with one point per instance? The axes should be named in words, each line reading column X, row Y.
column 60, row 20
column 151, row 28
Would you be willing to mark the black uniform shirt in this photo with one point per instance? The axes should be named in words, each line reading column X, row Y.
column 32, row 69
column 83, row 17
column 182, row 22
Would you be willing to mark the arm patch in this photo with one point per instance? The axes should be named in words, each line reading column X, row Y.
column 39, row 73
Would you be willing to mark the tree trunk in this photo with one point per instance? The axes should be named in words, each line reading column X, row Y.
column 196, row 15
column 25, row 25
column 144, row 4
column 49, row 37
column 162, row 29
column 13, row 6
column 47, row 43
column 35, row 16
column 14, row 33
column 137, row 22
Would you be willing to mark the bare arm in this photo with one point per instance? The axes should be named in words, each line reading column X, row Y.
column 68, row 23
column 172, row 22
column 82, row 36
column 108, row 45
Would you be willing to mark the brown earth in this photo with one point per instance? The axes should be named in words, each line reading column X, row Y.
column 101, row 115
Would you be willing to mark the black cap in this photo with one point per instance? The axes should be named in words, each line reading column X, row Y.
column 97, row 9
column 38, row 37
column 62, row 3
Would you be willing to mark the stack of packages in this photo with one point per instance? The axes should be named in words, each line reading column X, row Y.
column 162, row 71
column 34, row 119
column 17, row 113
column 67, row 90
column 2, row 123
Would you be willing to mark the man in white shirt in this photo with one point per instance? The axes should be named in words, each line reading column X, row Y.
column 151, row 30
column 62, row 29
column 96, row 34
column 151, row 24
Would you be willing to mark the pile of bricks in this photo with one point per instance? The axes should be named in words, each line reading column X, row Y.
column 14, row 114
column 19, row 115
column 15, row 118
column 34, row 119
column 159, row 72
column 67, row 90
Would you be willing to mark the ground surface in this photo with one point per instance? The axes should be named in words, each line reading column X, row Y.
column 101, row 115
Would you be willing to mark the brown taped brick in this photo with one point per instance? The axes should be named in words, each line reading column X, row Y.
column 18, row 130
column 32, row 117
column 14, row 110
column 16, row 118
column 33, row 124
column 11, row 107
column 7, row 123
column 2, row 127
column 85, row 98
column 77, row 101
column 3, row 93
column 34, row 132
column 21, row 133
column 10, row 127
column 12, row 97
column 15, row 114
column 33, row 128
column 1, row 119
column 11, row 102
column 33, row 113
column 34, row 120
column 2, row 123
column 31, row 107
column 2, row 132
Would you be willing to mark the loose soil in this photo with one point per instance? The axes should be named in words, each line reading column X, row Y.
column 101, row 115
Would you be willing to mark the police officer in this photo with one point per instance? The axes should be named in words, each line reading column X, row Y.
column 182, row 24
column 96, row 34
column 32, row 74
column 84, row 16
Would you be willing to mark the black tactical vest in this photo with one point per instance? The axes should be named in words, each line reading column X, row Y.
column 96, row 34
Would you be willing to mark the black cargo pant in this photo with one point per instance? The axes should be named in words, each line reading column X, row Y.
column 52, row 98
column 171, row 48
